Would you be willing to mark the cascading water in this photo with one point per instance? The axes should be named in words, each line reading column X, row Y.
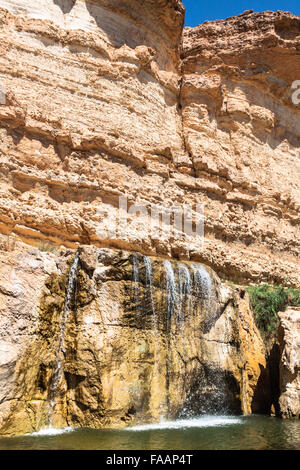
column 171, row 294
column 185, row 291
column 149, row 286
column 155, row 326
column 60, row 352
column 211, row 396
column 185, row 299
column 171, row 290
column 203, row 287
column 135, row 264
column 189, row 295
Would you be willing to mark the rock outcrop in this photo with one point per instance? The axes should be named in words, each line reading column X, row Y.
column 242, row 131
column 90, row 115
column 143, row 338
column 289, row 332
column 98, row 106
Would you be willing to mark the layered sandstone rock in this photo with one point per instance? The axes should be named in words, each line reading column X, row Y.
column 103, row 100
column 144, row 339
column 91, row 113
column 97, row 107
column 242, row 131
column 289, row 401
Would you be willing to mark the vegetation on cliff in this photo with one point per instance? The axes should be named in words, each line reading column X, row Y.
column 266, row 301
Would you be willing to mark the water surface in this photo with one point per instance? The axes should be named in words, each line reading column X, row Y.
column 207, row 432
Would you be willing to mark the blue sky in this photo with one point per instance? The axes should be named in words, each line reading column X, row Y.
column 198, row 11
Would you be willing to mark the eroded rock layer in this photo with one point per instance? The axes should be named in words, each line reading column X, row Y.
column 289, row 334
column 91, row 113
column 242, row 131
column 143, row 339
column 98, row 106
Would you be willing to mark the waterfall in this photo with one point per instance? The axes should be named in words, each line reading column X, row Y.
column 148, row 268
column 171, row 293
column 188, row 289
column 185, row 291
column 170, row 289
column 58, row 370
column 135, row 265
column 203, row 286
column 155, row 329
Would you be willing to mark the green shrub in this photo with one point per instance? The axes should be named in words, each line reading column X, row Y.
column 293, row 297
column 266, row 301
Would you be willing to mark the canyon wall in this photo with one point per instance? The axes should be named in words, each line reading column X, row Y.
column 102, row 101
column 242, row 130
column 143, row 339
column 90, row 115
column 106, row 99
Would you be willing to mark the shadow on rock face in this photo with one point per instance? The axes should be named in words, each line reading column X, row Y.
column 65, row 5
column 287, row 28
column 267, row 392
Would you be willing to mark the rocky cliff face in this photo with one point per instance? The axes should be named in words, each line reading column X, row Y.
column 289, row 334
column 242, row 131
column 98, row 106
column 91, row 114
column 107, row 99
column 127, row 339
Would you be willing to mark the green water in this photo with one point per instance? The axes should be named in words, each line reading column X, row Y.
column 212, row 433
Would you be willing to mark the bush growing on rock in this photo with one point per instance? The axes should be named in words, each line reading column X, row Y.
column 266, row 301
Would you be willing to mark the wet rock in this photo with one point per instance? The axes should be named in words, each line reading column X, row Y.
column 155, row 338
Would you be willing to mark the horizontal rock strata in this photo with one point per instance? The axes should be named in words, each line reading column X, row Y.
column 242, row 130
column 102, row 101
